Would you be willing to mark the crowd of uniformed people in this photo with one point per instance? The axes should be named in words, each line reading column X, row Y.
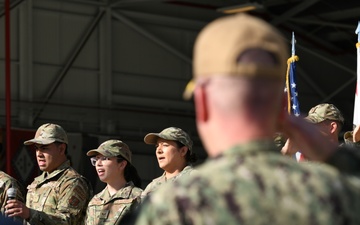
column 239, row 67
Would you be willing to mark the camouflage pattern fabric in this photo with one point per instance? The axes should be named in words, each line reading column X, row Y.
column 254, row 184
column 6, row 182
column 59, row 197
column 171, row 134
column 279, row 140
column 48, row 133
column 323, row 112
column 158, row 182
column 112, row 148
column 108, row 210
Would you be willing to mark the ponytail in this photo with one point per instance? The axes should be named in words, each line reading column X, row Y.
column 130, row 173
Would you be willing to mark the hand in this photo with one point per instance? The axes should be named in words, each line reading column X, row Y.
column 17, row 208
column 356, row 134
column 289, row 149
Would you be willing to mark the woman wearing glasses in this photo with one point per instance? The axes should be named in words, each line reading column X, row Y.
column 112, row 160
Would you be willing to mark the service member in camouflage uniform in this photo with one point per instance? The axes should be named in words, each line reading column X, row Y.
column 239, row 67
column 58, row 196
column 6, row 182
column 121, row 195
column 327, row 118
column 174, row 154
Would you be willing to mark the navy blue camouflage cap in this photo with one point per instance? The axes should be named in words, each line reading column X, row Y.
column 171, row 134
column 324, row 112
column 112, row 148
column 48, row 133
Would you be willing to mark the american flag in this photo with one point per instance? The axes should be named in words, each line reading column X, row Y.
column 293, row 102
column 291, row 88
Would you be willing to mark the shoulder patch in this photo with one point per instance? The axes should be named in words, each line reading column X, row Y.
column 74, row 201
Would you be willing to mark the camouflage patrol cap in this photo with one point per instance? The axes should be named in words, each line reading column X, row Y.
column 112, row 148
column 171, row 134
column 220, row 44
column 323, row 112
column 48, row 133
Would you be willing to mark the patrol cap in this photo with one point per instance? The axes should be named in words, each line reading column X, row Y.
column 48, row 133
column 112, row 148
column 171, row 134
column 323, row 112
column 220, row 44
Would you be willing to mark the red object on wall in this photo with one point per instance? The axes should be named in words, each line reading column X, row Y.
column 23, row 164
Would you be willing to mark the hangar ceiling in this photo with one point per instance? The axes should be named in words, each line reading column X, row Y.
column 119, row 67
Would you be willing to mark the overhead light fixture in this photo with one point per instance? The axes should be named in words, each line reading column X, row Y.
column 241, row 8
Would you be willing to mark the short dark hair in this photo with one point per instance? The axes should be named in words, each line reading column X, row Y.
column 190, row 156
column 57, row 143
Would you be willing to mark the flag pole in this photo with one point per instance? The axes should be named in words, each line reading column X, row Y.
column 356, row 118
column 293, row 41
column 7, row 86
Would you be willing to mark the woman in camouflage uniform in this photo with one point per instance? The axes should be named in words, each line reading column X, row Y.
column 174, row 154
column 121, row 195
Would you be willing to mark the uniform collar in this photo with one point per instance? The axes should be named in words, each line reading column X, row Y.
column 123, row 193
column 252, row 147
column 47, row 175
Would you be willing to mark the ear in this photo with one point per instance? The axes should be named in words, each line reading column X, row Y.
column 201, row 108
column 183, row 151
column 123, row 164
column 333, row 127
column 62, row 148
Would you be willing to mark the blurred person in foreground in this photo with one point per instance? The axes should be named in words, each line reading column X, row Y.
column 239, row 67
column 173, row 149
column 58, row 196
column 112, row 160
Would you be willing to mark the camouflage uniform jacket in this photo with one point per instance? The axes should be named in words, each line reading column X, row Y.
column 157, row 182
column 59, row 197
column 7, row 182
column 254, row 184
column 104, row 209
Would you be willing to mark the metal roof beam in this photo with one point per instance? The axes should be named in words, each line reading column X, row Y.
column 69, row 62
column 151, row 37
column 292, row 12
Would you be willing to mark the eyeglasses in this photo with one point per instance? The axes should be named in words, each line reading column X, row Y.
column 93, row 160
